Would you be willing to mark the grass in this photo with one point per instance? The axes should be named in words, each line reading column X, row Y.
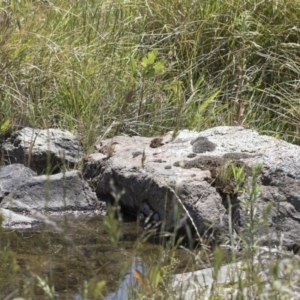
column 101, row 68
column 145, row 67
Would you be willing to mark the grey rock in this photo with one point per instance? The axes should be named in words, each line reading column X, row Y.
column 155, row 185
column 22, row 190
column 13, row 220
column 54, row 149
column 192, row 285
column 269, row 268
column 191, row 188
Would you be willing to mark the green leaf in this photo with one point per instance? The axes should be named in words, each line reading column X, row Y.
column 152, row 56
column 159, row 67
column 149, row 59
column 145, row 62
column 4, row 125
column 149, row 73
column 204, row 105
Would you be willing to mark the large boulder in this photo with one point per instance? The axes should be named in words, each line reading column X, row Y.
column 173, row 180
column 22, row 190
column 44, row 151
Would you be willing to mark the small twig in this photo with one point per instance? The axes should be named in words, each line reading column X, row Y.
column 143, row 159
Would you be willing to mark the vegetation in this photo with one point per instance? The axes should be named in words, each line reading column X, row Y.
column 145, row 67
column 104, row 67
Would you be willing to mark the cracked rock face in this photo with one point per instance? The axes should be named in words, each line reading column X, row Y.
column 179, row 177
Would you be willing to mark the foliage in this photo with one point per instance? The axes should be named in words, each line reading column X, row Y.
column 146, row 67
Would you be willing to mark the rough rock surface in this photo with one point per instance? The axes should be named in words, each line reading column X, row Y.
column 198, row 284
column 37, row 149
column 22, row 190
column 13, row 220
column 150, row 180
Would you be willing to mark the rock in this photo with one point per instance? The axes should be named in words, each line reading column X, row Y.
column 255, row 279
column 54, row 149
column 183, row 177
column 149, row 190
column 193, row 285
column 13, row 220
column 22, row 190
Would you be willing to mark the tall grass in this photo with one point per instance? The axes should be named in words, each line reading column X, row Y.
column 82, row 65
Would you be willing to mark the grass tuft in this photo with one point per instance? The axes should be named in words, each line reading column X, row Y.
column 150, row 66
